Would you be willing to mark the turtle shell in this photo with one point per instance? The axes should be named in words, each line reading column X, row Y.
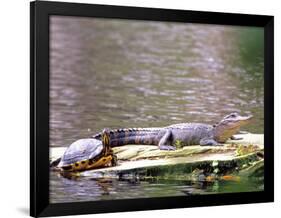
column 82, row 149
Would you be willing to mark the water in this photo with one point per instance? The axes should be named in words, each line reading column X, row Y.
column 121, row 73
column 85, row 189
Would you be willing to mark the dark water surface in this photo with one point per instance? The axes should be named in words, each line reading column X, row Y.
column 120, row 73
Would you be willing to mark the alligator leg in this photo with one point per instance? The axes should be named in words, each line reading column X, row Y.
column 208, row 141
column 165, row 141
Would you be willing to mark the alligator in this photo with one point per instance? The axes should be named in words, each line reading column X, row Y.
column 167, row 138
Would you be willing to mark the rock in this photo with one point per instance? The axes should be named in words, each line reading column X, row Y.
column 143, row 161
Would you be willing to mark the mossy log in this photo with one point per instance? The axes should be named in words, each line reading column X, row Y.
column 237, row 157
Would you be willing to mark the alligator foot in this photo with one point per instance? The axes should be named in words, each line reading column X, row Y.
column 167, row 147
column 212, row 145
column 209, row 142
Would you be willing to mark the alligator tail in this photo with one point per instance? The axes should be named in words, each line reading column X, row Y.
column 137, row 136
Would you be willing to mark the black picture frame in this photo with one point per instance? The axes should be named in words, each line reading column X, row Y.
column 39, row 107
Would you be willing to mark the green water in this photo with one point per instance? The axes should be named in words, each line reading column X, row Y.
column 120, row 73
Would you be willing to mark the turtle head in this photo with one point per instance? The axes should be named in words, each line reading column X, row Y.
column 230, row 125
column 105, row 137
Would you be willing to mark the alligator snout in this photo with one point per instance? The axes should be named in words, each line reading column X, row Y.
column 246, row 119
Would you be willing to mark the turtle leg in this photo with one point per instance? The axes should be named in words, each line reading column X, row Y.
column 209, row 141
column 165, row 141
column 114, row 160
column 113, row 156
column 55, row 162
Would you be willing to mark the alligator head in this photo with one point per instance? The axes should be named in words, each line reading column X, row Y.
column 229, row 126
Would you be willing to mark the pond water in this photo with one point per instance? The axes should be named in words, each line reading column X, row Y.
column 121, row 73
column 87, row 189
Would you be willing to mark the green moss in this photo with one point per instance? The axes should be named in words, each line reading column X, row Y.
column 245, row 149
column 179, row 144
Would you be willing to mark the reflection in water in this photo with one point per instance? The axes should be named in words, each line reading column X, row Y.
column 120, row 73
column 87, row 189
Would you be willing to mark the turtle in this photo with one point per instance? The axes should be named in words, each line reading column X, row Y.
column 87, row 153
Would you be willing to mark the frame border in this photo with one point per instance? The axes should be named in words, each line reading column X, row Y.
column 39, row 107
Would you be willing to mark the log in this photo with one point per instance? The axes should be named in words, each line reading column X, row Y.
column 240, row 157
